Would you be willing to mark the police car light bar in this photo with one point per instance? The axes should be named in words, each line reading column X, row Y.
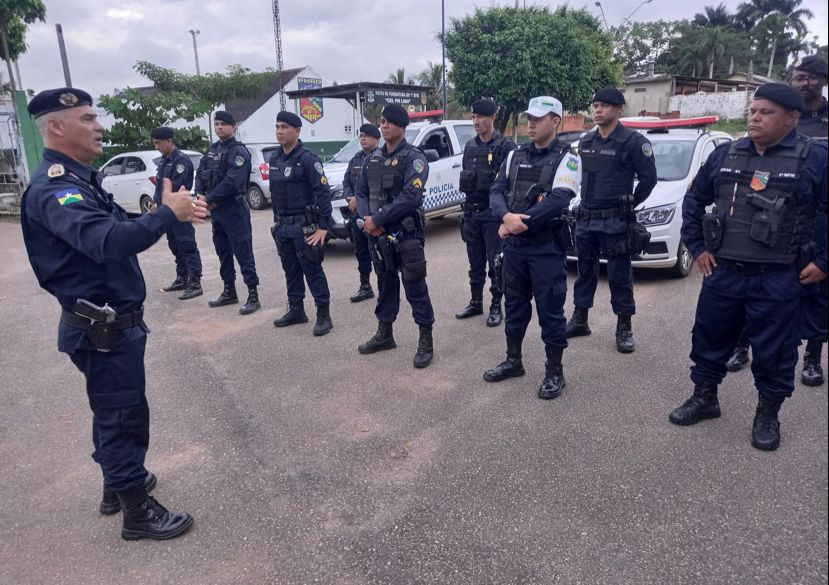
column 413, row 116
column 698, row 122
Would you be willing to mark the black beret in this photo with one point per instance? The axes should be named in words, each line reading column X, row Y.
column 62, row 98
column 370, row 130
column 289, row 118
column 782, row 94
column 225, row 117
column 396, row 114
column 484, row 107
column 812, row 64
column 162, row 133
column 610, row 95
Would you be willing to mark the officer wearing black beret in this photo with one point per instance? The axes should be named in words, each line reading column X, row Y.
column 83, row 249
column 755, row 252
column 178, row 167
column 369, row 140
column 613, row 157
column 482, row 157
column 222, row 181
column 301, row 200
column 389, row 194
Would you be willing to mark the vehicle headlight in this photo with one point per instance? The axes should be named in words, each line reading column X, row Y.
column 656, row 215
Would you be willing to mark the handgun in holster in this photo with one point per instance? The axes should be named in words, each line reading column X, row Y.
column 765, row 224
column 309, row 226
column 103, row 330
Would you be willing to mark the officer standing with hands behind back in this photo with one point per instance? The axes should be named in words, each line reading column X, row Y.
column 221, row 182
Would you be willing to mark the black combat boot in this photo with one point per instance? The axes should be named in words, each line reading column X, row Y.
column 554, row 381
column 509, row 368
column 364, row 292
column 577, row 326
column 496, row 316
column 323, row 324
column 178, row 284
column 193, row 289
column 252, row 304
column 228, row 296
column 739, row 357
column 702, row 404
column 110, row 504
column 475, row 306
column 383, row 339
column 765, row 432
column 425, row 349
column 624, row 334
column 296, row 314
column 144, row 517
column 812, row 374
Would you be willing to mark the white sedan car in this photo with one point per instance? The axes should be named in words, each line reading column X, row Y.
column 130, row 177
column 679, row 153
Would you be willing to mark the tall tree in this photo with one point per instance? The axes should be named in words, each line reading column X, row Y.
column 14, row 16
column 714, row 16
column 773, row 20
column 432, row 76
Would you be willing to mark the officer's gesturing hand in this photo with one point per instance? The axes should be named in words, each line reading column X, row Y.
column 182, row 204
column 706, row 263
column 811, row 274
column 318, row 237
column 514, row 223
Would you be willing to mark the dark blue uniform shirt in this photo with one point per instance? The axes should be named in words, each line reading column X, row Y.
column 234, row 172
column 816, row 123
column 812, row 186
column 311, row 171
column 349, row 183
column 80, row 243
column 640, row 159
column 178, row 168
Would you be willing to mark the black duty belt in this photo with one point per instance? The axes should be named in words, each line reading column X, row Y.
column 470, row 206
column 520, row 241
column 121, row 321
column 752, row 268
column 582, row 213
column 289, row 219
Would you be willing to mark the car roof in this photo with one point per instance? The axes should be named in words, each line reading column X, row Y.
column 682, row 134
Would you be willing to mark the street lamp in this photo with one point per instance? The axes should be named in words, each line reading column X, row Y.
column 599, row 4
column 195, row 49
column 634, row 12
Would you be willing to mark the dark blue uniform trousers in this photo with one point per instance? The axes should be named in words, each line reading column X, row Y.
column 388, row 298
column 290, row 243
column 182, row 242
column 480, row 233
column 232, row 236
column 619, row 270
column 540, row 271
column 121, row 416
column 766, row 306
column 813, row 311
column 360, row 247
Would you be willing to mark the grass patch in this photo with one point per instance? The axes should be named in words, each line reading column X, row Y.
column 735, row 127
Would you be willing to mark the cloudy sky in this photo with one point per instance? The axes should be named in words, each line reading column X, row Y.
column 344, row 40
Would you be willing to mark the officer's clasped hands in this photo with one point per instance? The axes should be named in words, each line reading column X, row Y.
column 514, row 224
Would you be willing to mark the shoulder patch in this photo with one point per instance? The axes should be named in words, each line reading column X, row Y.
column 417, row 183
column 647, row 149
column 572, row 163
column 239, row 160
column 180, row 168
column 323, row 179
column 56, row 170
column 418, row 165
column 318, row 167
column 68, row 196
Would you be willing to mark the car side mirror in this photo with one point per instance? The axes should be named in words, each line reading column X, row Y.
column 431, row 154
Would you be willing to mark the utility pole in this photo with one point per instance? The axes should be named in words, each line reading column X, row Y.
column 193, row 33
column 277, row 33
column 443, row 56
column 63, row 58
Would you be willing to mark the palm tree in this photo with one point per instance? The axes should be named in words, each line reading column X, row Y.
column 773, row 20
column 714, row 16
column 433, row 77
column 399, row 77
column 713, row 44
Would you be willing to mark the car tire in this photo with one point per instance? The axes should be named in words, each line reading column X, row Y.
column 146, row 204
column 684, row 262
column 256, row 199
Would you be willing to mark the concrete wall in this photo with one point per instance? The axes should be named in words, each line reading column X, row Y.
column 731, row 104
column 647, row 97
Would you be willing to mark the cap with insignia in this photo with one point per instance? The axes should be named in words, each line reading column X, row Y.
column 610, row 95
column 162, row 133
column 782, row 94
column 484, row 107
column 225, row 117
column 812, row 64
column 289, row 118
column 396, row 114
column 54, row 100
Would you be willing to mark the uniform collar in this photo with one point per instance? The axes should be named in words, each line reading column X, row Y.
column 173, row 155
column 396, row 150
column 615, row 135
column 495, row 135
column 823, row 109
column 298, row 148
column 229, row 142
column 83, row 171
column 533, row 148
column 745, row 143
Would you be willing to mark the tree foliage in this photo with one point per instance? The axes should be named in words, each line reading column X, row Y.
column 399, row 77
column 14, row 16
column 513, row 54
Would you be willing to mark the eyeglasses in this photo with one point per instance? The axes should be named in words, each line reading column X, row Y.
column 812, row 77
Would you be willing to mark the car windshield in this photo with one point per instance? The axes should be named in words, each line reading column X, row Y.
column 352, row 147
column 673, row 158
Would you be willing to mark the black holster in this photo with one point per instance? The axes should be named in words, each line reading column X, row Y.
column 638, row 238
column 314, row 254
column 412, row 258
column 713, row 226
column 806, row 255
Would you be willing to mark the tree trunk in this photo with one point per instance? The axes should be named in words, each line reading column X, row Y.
column 5, row 42
column 17, row 70
column 771, row 58
column 711, row 66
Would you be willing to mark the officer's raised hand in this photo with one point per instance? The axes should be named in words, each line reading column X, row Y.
column 706, row 263
column 811, row 274
column 514, row 223
column 318, row 237
column 182, row 204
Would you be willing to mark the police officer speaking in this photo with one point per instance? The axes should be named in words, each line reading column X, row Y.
column 369, row 140
column 390, row 201
column 181, row 239
column 482, row 157
column 302, row 216
column 221, row 181
column 755, row 251
column 532, row 191
column 83, row 250
column 612, row 156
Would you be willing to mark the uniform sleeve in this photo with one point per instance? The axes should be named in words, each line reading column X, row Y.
column 361, row 192
column 348, row 181
column 318, row 182
column 701, row 194
column 644, row 165
column 566, row 183
column 184, row 177
column 236, row 177
column 498, row 192
column 72, row 214
column 822, row 257
column 411, row 196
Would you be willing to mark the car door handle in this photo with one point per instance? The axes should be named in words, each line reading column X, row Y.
column 456, row 165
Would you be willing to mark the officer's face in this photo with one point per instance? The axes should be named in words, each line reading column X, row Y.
column 604, row 113
column 76, row 132
column 769, row 122
column 542, row 130
column 286, row 134
column 390, row 132
column 368, row 143
column 483, row 124
column 810, row 85
column 223, row 130
column 164, row 146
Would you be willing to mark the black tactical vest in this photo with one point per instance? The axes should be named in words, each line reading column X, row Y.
column 290, row 192
column 764, row 217
column 814, row 124
column 385, row 176
column 480, row 166
column 605, row 178
column 523, row 174
column 214, row 167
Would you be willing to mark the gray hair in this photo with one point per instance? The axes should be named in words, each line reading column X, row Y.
column 42, row 122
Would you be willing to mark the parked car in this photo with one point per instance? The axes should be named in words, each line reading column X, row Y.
column 443, row 143
column 130, row 177
column 259, row 192
column 679, row 153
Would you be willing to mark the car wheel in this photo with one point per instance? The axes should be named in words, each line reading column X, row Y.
column 684, row 262
column 256, row 199
column 146, row 204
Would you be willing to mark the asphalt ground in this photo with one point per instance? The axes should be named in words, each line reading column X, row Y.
column 304, row 462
